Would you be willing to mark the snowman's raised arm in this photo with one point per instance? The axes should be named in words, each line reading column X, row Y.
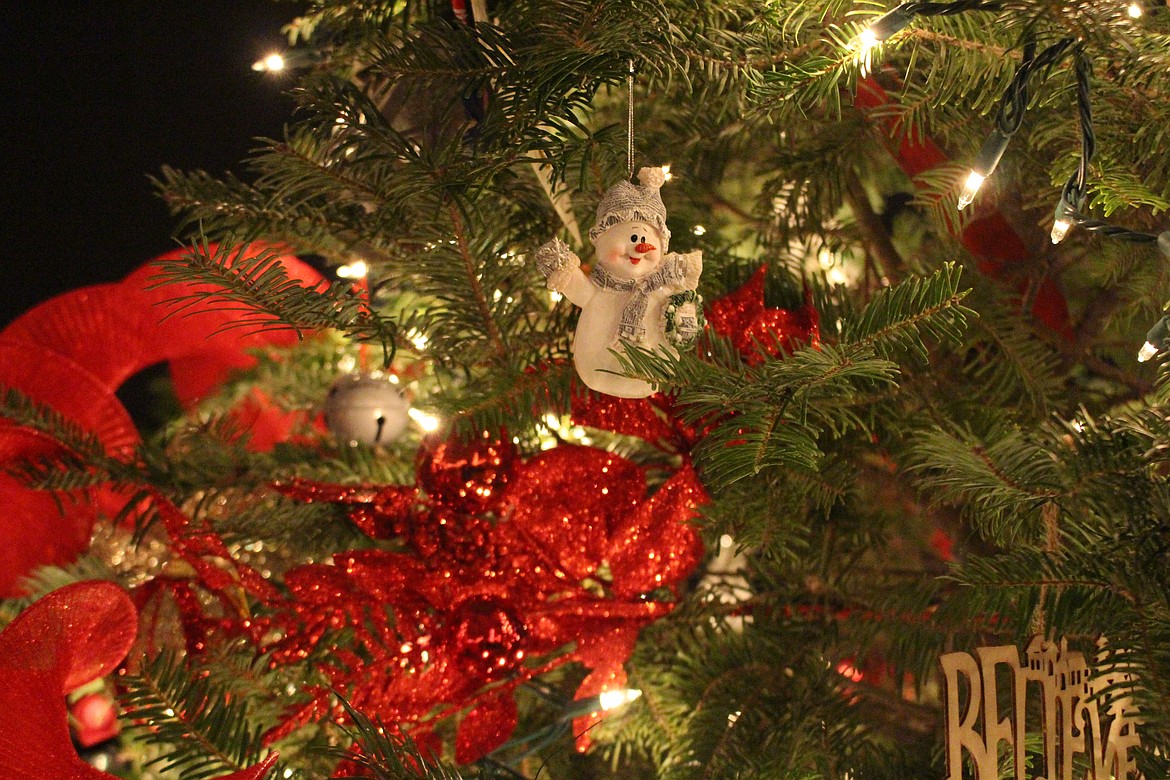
column 682, row 271
column 562, row 272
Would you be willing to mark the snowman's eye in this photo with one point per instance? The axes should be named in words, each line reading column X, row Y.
column 634, row 238
column 643, row 239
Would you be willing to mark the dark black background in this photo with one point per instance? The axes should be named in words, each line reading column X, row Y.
column 99, row 95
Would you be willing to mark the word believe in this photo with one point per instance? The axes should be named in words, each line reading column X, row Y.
column 1071, row 722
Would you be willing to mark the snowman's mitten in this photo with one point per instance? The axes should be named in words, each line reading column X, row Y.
column 682, row 271
column 692, row 268
column 557, row 262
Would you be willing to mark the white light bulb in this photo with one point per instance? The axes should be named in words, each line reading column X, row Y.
column 666, row 174
column 1134, row 10
column 1059, row 230
column 419, row 340
column 970, row 188
column 867, row 40
column 865, row 44
column 427, row 422
column 611, row 699
column 1148, row 350
column 273, row 63
column 355, row 270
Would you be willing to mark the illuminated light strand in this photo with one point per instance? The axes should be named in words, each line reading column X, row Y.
column 1010, row 115
column 1072, row 198
column 1158, row 337
column 899, row 18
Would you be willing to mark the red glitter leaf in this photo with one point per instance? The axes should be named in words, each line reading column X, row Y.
column 379, row 511
column 732, row 315
column 605, row 655
column 656, row 546
column 442, row 632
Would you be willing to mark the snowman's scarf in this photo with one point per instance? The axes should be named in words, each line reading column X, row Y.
column 631, row 327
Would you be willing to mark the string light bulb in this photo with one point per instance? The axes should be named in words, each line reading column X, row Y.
column 1060, row 223
column 970, row 189
column 880, row 30
column 1059, row 230
column 613, row 699
column 272, row 63
column 355, row 270
column 1134, row 10
column 985, row 164
column 427, row 422
column 1155, row 339
column 867, row 41
column 886, row 25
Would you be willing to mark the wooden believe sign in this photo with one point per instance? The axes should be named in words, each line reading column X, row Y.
column 1059, row 680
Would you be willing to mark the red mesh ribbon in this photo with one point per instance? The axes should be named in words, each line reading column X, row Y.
column 72, row 353
column 69, row 638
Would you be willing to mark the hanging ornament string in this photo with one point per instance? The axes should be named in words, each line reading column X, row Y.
column 630, row 119
column 1050, row 513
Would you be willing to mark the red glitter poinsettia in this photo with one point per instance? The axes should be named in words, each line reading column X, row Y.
column 69, row 638
column 567, row 564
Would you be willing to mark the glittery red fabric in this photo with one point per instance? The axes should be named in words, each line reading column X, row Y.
column 757, row 331
column 68, row 638
column 567, row 563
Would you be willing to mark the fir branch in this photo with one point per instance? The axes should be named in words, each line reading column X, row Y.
column 874, row 234
column 475, row 284
column 386, row 753
column 900, row 317
column 1001, row 480
column 266, row 298
column 202, row 730
column 81, row 444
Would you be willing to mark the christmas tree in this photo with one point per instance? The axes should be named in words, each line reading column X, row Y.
column 623, row 389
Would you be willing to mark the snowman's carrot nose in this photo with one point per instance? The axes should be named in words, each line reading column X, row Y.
column 642, row 248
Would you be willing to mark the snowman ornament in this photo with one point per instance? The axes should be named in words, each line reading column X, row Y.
column 637, row 292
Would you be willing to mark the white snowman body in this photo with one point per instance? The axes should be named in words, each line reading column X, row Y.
column 630, row 264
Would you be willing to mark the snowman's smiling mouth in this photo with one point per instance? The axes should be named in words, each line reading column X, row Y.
column 635, row 260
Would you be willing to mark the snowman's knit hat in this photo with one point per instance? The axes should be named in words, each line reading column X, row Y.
column 627, row 202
